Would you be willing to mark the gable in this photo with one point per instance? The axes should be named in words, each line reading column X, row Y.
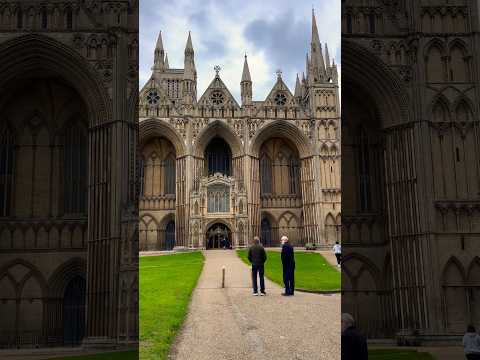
column 217, row 94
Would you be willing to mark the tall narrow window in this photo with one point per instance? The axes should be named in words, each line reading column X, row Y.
column 371, row 23
column 364, row 170
column 293, row 176
column 266, row 175
column 75, row 169
column 170, row 175
column 7, row 150
column 44, row 18
column 19, row 18
column 266, row 237
column 141, row 176
column 69, row 19
column 349, row 23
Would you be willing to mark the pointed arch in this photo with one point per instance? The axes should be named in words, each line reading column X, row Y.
column 151, row 128
column 217, row 129
column 63, row 274
column 463, row 110
column 440, row 109
column 453, row 272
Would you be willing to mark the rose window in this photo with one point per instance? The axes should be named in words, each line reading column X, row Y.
column 153, row 97
column 217, row 97
column 280, row 99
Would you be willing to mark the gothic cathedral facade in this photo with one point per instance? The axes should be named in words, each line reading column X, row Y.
column 68, row 205
column 410, row 180
column 216, row 173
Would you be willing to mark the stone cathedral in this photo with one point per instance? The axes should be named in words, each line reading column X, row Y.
column 68, row 208
column 215, row 172
column 411, row 165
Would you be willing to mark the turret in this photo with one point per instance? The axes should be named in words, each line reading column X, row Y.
column 158, row 62
column 246, row 84
column 190, row 73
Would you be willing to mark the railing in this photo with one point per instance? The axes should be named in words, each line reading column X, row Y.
column 157, row 202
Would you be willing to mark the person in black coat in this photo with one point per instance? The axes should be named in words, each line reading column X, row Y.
column 257, row 257
column 288, row 262
column 354, row 344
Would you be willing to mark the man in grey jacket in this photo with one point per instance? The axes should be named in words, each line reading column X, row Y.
column 257, row 257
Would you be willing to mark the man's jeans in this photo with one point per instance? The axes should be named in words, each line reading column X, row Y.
column 260, row 270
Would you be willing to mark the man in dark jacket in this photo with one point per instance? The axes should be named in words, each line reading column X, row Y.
column 288, row 262
column 257, row 257
column 354, row 345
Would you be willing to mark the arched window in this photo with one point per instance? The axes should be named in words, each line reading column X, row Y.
column 7, row 151
column 44, row 18
column 371, row 23
column 69, row 18
column 19, row 18
column 266, row 237
column 349, row 23
column 219, row 157
column 294, row 176
column 170, row 175
column 170, row 235
column 266, row 175
column 364, row 170
column 75, row 169
column 141, row 176
column 74, row 311
column 218, row 198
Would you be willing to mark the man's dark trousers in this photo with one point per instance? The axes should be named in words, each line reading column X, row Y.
column 260, row 270
column 289, row 279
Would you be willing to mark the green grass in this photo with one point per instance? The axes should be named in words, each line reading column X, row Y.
column 166, row 284
column 394, row 354
column 124, row 355
column 312, row 271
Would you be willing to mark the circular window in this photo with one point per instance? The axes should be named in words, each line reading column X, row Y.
column 153, row 97
column 217, row 97
column 280, row 99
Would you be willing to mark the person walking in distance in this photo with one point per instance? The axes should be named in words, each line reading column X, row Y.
column 257, row 257
column 288, row 262
column 337, row 250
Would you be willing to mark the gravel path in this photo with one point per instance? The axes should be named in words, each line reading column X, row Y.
column 230, row 323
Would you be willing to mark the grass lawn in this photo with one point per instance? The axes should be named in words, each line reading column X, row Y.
column 394, row 354
column 124, row 355
column 312, row 271
column 166, row 283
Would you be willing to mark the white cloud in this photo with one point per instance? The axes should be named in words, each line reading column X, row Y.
column 218, row 35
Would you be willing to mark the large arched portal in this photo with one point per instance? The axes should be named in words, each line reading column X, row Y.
column 218, row 236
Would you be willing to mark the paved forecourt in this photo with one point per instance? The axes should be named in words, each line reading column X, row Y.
column 230, row 323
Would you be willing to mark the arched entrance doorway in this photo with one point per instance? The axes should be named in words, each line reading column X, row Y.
column 74, row 311
column 170, row 235
column 218, row 236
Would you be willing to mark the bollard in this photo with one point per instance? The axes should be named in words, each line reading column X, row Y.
column 223, row 277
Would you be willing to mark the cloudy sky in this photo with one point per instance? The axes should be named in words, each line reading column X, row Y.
column 275, row 34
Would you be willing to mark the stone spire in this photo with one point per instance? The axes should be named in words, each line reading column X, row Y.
column 318, row 64
column 189, row 74
column 189, row 60
column 246, row 71
column 166, row 62
column 246, row 84
column 327, row 56
column 158, row 62
column 298, row 89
